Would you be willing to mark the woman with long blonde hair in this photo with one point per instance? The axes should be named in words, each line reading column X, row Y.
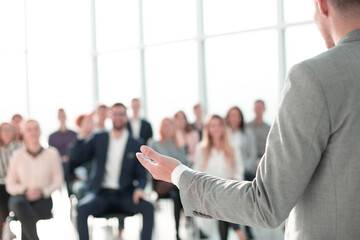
column 216, row 156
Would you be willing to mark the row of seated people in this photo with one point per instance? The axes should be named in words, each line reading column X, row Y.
column 102, row 188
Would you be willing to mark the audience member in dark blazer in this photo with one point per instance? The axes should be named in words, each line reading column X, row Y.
column 114, row 171
column 139, row 128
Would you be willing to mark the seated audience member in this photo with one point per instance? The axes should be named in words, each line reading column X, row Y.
column 101, row 115
column 138, row 127
column 198, row 125
column 16, row 121
column 34, row 173
column 79, row 176
column 216, row 156
column 61, row 140
column 187, row 133
column 114, row 172
column 260, row 128
column 7, row 147
column 169, row 145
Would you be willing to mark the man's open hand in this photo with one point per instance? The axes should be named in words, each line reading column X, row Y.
column 159, row 166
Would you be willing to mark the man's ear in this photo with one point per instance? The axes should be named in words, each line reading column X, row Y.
column 323, row 6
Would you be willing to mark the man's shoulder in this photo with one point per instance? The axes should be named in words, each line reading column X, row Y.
column 99, row 137
column 19, row 152
column 145, row 122
column 330, row 61
column 101, row 134
column 72, row 133
column 331, row 69
column 52, row 151
column 54, row 134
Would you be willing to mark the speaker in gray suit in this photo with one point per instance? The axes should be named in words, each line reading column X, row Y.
column 310, row 172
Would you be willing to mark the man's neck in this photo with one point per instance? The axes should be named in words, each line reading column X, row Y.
column 258, row 121
column 234, row 129
column 33, row 146
column 117, row 133
column 342, row 26
column 63, row 128
column 199, row 124
column 135, row 116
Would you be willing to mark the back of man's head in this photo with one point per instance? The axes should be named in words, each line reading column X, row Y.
column 347, row 7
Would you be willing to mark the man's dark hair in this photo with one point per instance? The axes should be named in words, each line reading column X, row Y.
column 260, row 101
column 118, row 105
column 101, row 106
column 346, row 5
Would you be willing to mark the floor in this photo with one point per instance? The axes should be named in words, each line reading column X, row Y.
column 61, row 226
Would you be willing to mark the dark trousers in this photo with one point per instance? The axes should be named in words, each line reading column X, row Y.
column 4, row 210
column 113, row 201
column 66, row 167
column 249, row 176
column 175, row 196
column 28, row 213
column 224, row 227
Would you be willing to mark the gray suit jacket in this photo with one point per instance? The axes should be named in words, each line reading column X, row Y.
column 311, row 168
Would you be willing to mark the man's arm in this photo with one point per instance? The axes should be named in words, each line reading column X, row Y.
column 296, row 142
column 80, row 152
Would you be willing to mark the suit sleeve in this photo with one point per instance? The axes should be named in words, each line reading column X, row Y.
column 80, row 152
column 296, row 142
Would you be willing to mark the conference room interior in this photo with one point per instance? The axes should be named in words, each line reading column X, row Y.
column 169, row 54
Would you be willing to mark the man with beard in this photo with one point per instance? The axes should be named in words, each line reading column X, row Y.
column 114, row 170
column 310, row 170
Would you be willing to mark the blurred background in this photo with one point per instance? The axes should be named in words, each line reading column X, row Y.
column 171, row 54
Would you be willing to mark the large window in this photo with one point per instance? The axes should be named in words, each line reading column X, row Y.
column 298, row 10
column 240, row 70
column 119, row 77
column 117, row 24
column 166, row 20
column 13, row 97
column 171, row 80
column 12, row 59
column 303, row 42
column 59, row 60
column 170, row 54
column 233, row 15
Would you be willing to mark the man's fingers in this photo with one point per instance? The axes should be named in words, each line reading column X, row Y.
column 150, row 166
column 145, row 162
column 149, row 152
